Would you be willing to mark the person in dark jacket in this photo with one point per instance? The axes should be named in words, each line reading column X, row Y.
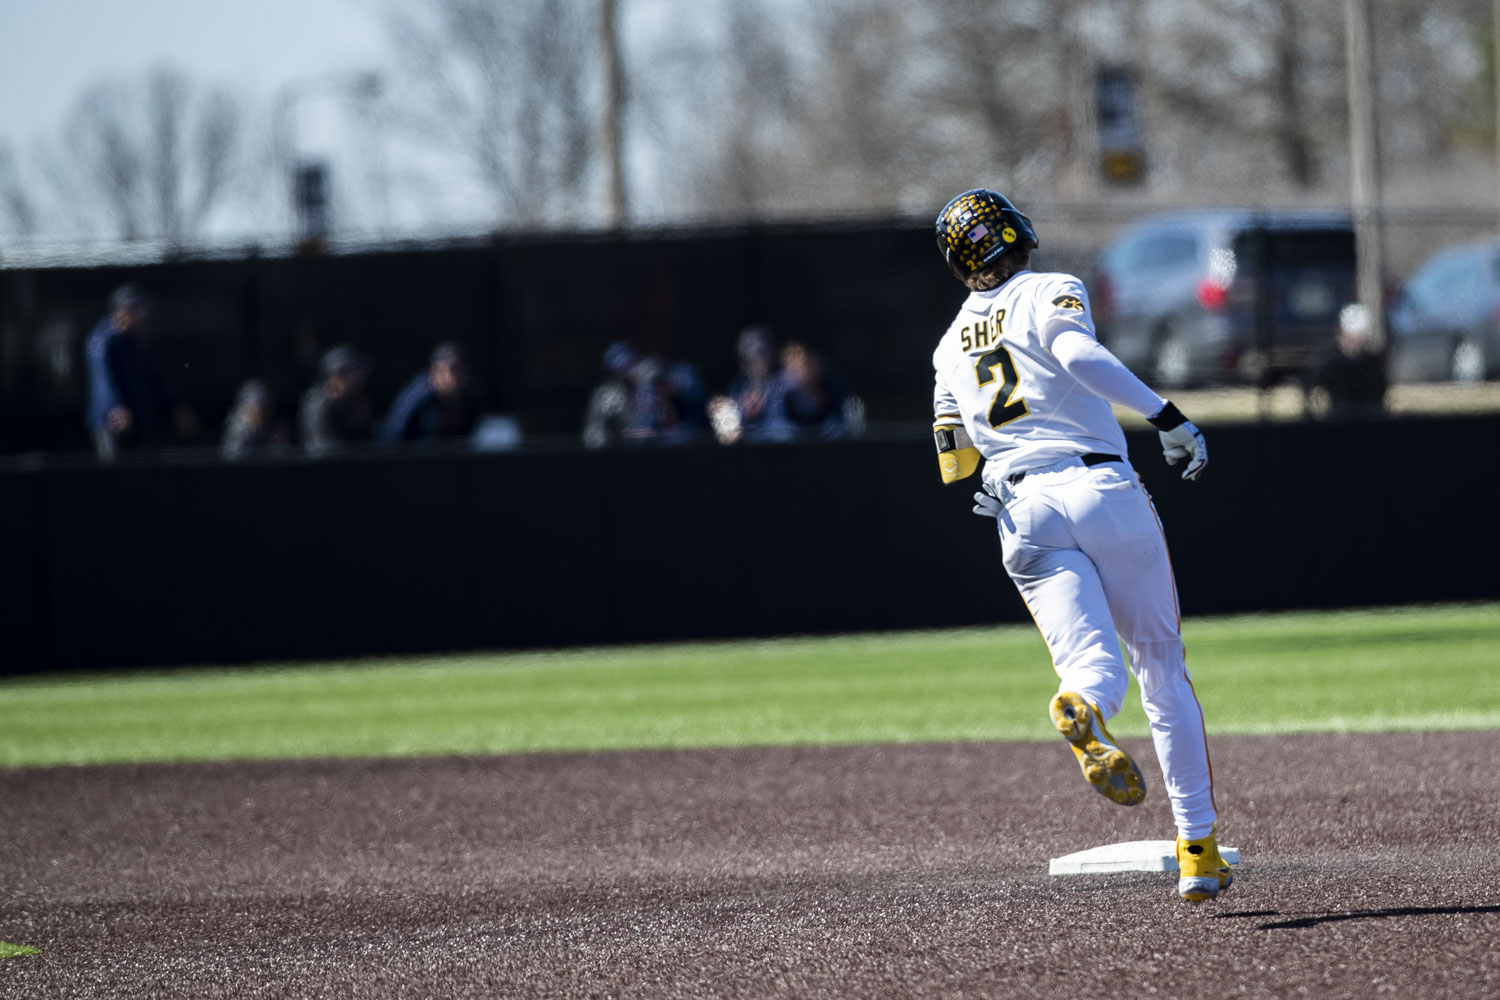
column 336, row 412
column 756, row 351
column 1347, row 379
column 808, row 396
column 740, row 413
column 254, row 427
column 130, row 403
column 439, row 403
column 608, row 413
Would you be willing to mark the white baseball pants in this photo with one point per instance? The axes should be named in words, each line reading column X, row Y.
column 1085, row 548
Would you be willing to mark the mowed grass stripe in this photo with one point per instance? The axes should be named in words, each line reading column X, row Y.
column 836, row 689
column 1387, row 669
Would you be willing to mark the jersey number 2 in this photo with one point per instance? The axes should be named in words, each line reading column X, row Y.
column 1007, row 405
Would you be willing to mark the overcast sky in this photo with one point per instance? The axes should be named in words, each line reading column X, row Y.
column 51, row 49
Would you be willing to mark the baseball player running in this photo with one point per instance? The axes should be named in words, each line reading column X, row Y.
column 1023, row 385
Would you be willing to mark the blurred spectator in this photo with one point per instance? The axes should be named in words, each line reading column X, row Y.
column 254, row 427
column 1347, row 379
column 335, row 411
column 130, row 402
column 644, row 400
column 439, row 403
column 609, row 410
column 741, row 412
column 808, row 396
column 668, row 405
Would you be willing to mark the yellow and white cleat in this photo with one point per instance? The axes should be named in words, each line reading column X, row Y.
column 1111, row 771
column 1202, row 872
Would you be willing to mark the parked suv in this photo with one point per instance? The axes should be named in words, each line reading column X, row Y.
column 1208, row 297
column 1445, row 324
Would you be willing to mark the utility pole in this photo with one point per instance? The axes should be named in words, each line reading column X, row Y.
column 1082, row 165
column 1365, row 167
column 614, row 110
column 1495, row 68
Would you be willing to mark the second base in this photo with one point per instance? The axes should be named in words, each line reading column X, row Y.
column 1133, row 856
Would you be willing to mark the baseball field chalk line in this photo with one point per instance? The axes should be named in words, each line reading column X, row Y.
column 1132, row 856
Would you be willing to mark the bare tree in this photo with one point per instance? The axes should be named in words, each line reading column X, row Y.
column 1013, row 86
column 864, row 140
column 745, row 142
column 1428, row 60
column 1246, row 78
column 882, row 105
column 17, row 209
column 1293, row 126
column 157, row 156
column 191, row 141
column 505, row 87
column 901, row 106
column 102, row 162
column 807, row 112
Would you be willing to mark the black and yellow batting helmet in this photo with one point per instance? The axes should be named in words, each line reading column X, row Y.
column 979, row 227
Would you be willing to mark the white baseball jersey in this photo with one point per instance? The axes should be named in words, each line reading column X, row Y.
column 995, row 374
column 1082, row 543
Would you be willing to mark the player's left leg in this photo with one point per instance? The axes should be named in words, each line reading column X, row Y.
column 1062, row 590
column 1118, row 528
column 1177, row 732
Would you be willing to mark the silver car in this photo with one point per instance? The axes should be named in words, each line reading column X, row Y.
column 1200, row 298
column 1445, row 324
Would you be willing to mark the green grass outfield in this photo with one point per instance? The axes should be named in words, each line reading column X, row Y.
column 1384, row 669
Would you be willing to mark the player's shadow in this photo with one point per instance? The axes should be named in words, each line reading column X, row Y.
column 1314, row 919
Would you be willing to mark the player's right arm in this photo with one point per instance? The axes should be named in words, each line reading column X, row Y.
column 957, row 456
column 1068, row 332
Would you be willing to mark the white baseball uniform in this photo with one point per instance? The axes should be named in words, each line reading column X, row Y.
column 1021, row 371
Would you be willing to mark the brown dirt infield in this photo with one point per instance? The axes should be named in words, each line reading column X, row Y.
column 880, row 871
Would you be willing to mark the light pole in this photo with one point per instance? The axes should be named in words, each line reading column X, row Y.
column 305, row 178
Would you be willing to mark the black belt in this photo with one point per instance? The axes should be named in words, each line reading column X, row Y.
column 1092, row 458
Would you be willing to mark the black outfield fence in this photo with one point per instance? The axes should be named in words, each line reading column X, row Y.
column 534, row 316
column 535, row 312
column 172, row 564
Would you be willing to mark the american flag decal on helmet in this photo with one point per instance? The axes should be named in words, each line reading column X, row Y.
column 976, row 228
